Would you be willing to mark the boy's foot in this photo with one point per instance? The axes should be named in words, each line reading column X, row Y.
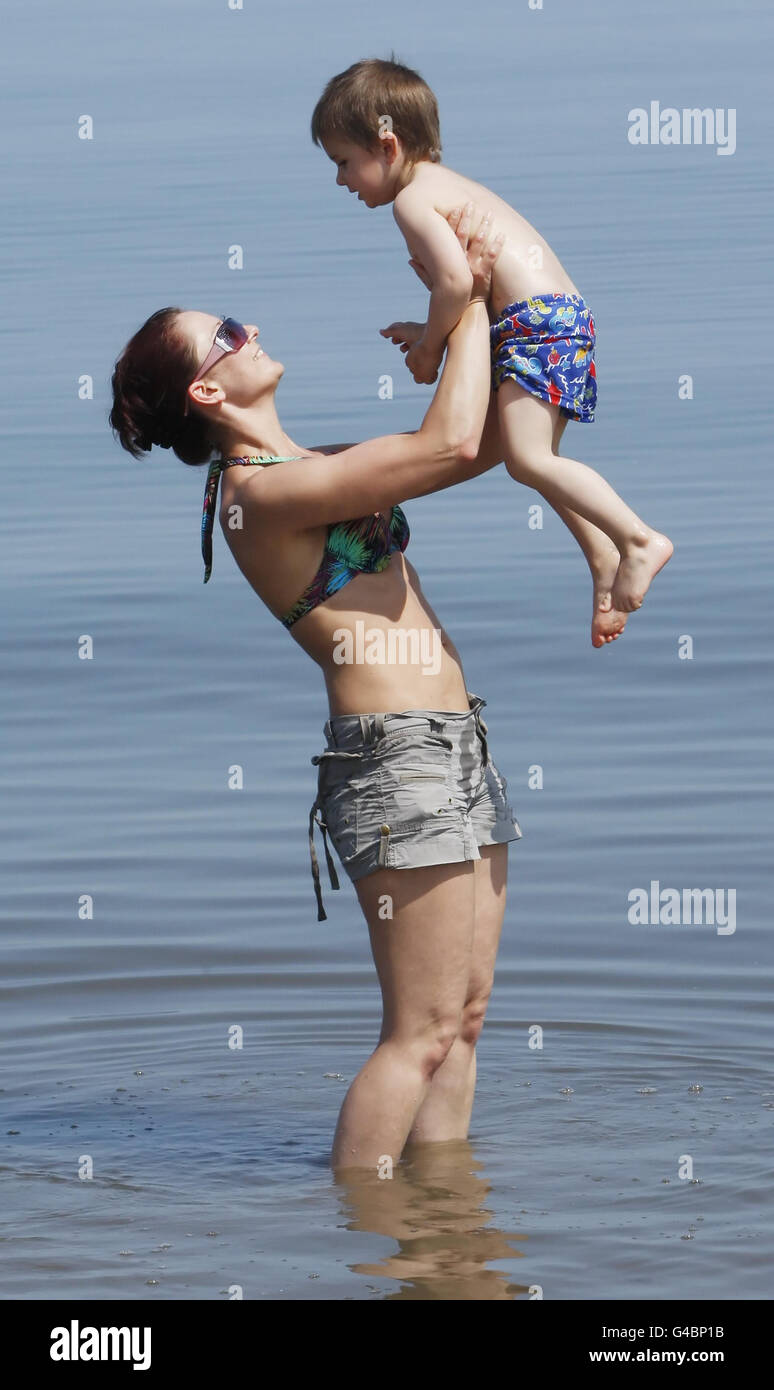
column 641, row 563
column 607, row 622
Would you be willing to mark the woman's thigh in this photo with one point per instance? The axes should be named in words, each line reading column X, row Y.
column 421, row 924
column 491, row 882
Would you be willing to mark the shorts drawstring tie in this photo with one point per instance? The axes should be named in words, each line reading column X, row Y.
column 322, row 915
column 318, row 759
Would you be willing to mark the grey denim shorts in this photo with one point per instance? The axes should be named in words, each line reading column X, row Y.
column 405, row 790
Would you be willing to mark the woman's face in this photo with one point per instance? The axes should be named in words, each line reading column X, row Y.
column 243, row 376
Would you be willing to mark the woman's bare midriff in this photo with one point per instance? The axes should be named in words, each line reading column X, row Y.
column 378, row 643
column 381, row 647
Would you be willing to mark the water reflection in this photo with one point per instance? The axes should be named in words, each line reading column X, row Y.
column 433, row 1207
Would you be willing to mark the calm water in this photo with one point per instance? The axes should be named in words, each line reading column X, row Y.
column 210, row 1165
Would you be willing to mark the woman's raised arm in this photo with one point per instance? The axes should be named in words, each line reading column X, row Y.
column 380, row 473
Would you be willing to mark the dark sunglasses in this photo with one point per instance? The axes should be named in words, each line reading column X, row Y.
column 230, row 337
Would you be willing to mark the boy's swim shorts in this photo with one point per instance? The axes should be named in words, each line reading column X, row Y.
column 546, row 344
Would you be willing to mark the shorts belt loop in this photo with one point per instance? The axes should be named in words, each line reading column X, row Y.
column 365, row 728
column 379, row 725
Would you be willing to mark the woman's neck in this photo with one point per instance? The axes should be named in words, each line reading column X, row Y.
column 258, row 431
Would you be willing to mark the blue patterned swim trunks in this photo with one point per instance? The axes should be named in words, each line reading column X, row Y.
column 546, row 344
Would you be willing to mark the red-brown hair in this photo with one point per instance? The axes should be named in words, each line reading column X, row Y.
column 149, row 383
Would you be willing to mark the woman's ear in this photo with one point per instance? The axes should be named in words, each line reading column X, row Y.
column 206, row 392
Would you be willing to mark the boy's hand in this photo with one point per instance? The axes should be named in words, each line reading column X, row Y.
column 423, row 363
column 403, row 335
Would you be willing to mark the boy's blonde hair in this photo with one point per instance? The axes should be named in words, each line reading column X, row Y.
column 355, row 102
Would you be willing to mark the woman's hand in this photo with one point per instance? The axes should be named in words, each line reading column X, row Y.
column 481, row 253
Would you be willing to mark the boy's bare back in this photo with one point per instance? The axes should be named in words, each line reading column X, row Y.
column 526, row 265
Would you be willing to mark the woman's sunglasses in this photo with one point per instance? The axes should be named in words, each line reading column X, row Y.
column 230, row 337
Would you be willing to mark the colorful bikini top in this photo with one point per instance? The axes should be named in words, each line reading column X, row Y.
column 351, row 547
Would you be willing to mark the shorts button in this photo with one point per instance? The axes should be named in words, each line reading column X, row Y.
column 385, row 829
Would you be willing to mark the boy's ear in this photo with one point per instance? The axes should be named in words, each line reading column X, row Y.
column 391, row 145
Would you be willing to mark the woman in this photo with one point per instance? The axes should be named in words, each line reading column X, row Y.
column 415, row 807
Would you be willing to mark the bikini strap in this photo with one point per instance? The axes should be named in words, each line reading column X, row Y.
column 211, row 494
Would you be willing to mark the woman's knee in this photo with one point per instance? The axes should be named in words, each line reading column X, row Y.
column 428, row 1046
column 439, row 1046
column 473, row 1016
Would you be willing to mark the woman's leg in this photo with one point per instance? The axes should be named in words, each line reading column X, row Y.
column 445, row 1112
column 526, row 429
column 422, row 953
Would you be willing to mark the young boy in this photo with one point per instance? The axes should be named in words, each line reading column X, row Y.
column 378, row 122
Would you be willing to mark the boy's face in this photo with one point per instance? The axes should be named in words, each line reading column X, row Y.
column 369, row 174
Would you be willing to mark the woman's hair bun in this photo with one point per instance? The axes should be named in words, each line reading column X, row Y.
column 149, row 384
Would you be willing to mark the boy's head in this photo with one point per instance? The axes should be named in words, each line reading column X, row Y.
column 374, row 121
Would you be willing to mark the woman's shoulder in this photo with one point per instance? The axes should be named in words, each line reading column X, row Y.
column 245, row 488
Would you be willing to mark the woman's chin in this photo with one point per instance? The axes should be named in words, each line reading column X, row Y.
column 270, row 373
column 271, row 370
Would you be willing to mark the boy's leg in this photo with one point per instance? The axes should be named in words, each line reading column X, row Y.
column 601, row 556
column 526, row 428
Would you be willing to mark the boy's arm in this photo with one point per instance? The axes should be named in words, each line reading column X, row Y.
column 432, row 242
